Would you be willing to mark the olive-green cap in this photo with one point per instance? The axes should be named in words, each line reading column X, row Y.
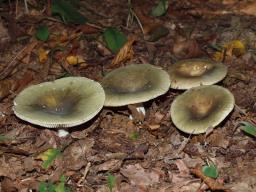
column 134, row 83
column 64, row 102
column 200, row 108
column 189, row 73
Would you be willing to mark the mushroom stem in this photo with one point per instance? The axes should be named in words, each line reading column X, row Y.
column 63, row 133
column 137, row 111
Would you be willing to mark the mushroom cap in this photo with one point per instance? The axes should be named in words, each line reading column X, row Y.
column 189, row 73
column 65, row 102
column 200, row 108
column 134, row 83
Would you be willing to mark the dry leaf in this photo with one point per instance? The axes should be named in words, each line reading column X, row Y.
column 125, row 53
column 43, row 55
column 186, row 48
column 248, row 8
column 235, row 47
column 212, row 183
column 74, row 59
column 5, row 87
column 139, row 176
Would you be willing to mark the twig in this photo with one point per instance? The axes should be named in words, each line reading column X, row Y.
column 86, row 170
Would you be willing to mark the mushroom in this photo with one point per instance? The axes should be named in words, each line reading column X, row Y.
column 200, row 108
column 65, row 102
column 134, row 83
column 190, row 73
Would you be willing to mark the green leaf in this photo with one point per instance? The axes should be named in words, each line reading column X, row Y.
column 61, row 186
column 134, row 135
column 160, row 9
column 248, row 128
column 67, row 12
column 210, row 171
column 48, row 157
column 3, row 138
column 42, row 187
column 42, row 33
column 111, row 179
column 114, row 39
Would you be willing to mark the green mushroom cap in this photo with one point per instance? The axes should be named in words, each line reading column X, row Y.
column 189, row 73
column 200, row 108
column 134, row 83
column 64, row 102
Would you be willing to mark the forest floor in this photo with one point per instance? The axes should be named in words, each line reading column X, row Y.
column 111, row 152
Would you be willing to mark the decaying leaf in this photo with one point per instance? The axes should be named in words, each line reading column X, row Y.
column 125, row 53
column 43, row 55
column 139, row 176
column 48, row 157
column 233, row 48
column 186, row 48
column 151, row 29
column 212, row 183
column 5, row 87
column 75, row 59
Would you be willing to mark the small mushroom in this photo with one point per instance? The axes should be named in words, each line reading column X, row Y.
column 190, row 73
column 200, row 108
column 65, row 102
column 134, row 83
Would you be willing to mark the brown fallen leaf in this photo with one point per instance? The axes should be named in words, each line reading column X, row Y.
column 140, row 177
column 186, row 48
column 111, row 165
column 212, row 184
column 43, row 55
column 90, row 29
column 248, row 8
column 151, row 29
column 75, row 59
column 125, row 53
column 5, row 87
column 137, row 115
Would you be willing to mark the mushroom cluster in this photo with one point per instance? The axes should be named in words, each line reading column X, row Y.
column 203, row 105
column 72, row 101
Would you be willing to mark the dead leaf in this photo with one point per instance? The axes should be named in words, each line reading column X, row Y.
column 186, row 48
column 90, row 29
column 76, row 152
column 248, row 8
column 5, row 87
column 139, row 176
column 125, row 53
column 230, row 49
column 75, row 59
column 152, row 29
column 212, row 184
column 137, row 115
column 42, row 55
column 111, row 165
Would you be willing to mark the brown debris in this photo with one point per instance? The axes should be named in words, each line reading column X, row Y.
column 212, row 184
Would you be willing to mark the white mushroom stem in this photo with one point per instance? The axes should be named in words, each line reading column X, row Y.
column 140, row 109
column 63, row 133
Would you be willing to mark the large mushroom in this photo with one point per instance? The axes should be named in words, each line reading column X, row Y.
column 189, row 73
column 200, row 108
column 135, row 83
column 61, row 103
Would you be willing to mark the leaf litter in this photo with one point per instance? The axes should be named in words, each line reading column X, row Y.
column 112, row 151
